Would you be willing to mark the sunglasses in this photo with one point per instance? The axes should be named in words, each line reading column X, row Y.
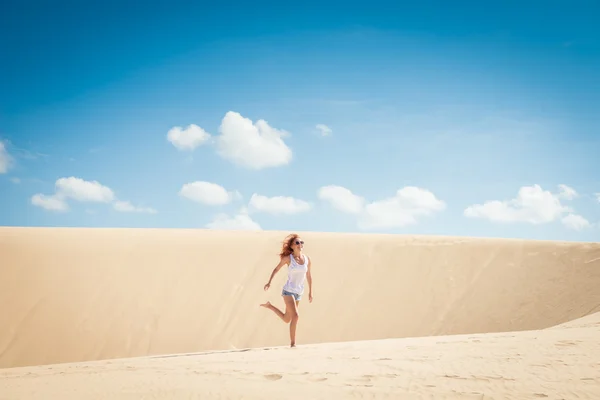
column 299, row 241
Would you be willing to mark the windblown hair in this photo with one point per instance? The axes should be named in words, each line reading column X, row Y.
column 286, row 248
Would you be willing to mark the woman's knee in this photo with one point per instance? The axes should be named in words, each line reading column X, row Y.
column 291, row 315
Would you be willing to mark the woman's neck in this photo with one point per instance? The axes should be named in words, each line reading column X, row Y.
column 297, row 254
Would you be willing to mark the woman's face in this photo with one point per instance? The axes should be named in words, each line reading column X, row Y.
column 297, row 244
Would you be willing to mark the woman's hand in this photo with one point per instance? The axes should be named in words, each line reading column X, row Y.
column 310, row 297
column 282, row 262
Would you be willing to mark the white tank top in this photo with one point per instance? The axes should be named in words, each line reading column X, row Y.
column 296, row 275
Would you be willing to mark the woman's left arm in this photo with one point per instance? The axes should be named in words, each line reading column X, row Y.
column 309, row 279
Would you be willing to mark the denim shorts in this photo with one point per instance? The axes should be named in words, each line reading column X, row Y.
column 296, row 296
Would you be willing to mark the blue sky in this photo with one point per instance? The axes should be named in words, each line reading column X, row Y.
column 442, row 118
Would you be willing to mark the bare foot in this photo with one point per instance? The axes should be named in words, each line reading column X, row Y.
column 266, row 305
column 293, row 345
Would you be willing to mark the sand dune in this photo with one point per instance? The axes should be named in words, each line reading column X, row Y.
column 72, row 295
column 557, row 363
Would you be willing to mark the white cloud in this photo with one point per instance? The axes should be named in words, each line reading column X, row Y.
column 403, row 209
column 532, row 205
column 189, row 138
column 15, row 180
column 51, row 203
column 249, row 145
column 324, row 129
column 5, row 159
column 241, row 221
column 567, row 192
column 278, row 204
column 341, row 198
column 576, row 222
column 81, row 190
column 125, row 206
column 597, row 197
column 207, row 193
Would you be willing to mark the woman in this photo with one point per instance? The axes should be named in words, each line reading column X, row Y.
column 298, row 269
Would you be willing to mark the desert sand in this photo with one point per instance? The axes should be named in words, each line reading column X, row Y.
column 561, row 363
column 136, row 313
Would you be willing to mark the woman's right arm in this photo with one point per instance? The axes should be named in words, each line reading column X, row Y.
column 282, row 262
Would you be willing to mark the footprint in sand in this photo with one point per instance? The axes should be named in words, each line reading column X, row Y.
column 566, row 343
column 454, row 377
column 273, row 377
column 364, row 379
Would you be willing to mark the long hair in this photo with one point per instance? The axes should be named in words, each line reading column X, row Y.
column 286, row 248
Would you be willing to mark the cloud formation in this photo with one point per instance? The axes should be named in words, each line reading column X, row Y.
column 575, row 222
column 189, row 138
column 324, row 129
column 252, row 145
column 80, row 190
column 213, row 194
column 278, row 205
column 566, row 192
column 240, row 141
column 51, row 203
column 532, row 205
column 240, row 221
column 208, row 193
column 406, row 207
column 125, row 206
column 341, row 199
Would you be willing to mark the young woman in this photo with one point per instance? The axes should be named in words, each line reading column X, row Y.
column 299, row 266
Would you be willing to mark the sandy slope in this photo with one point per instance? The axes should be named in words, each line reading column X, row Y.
column 556, row 363
column 70, row 295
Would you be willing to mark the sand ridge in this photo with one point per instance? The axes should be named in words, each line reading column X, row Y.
column 558, row 363
column 75, row 294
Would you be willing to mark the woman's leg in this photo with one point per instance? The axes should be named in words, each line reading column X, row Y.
column 294, row 323
column 290, row 309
